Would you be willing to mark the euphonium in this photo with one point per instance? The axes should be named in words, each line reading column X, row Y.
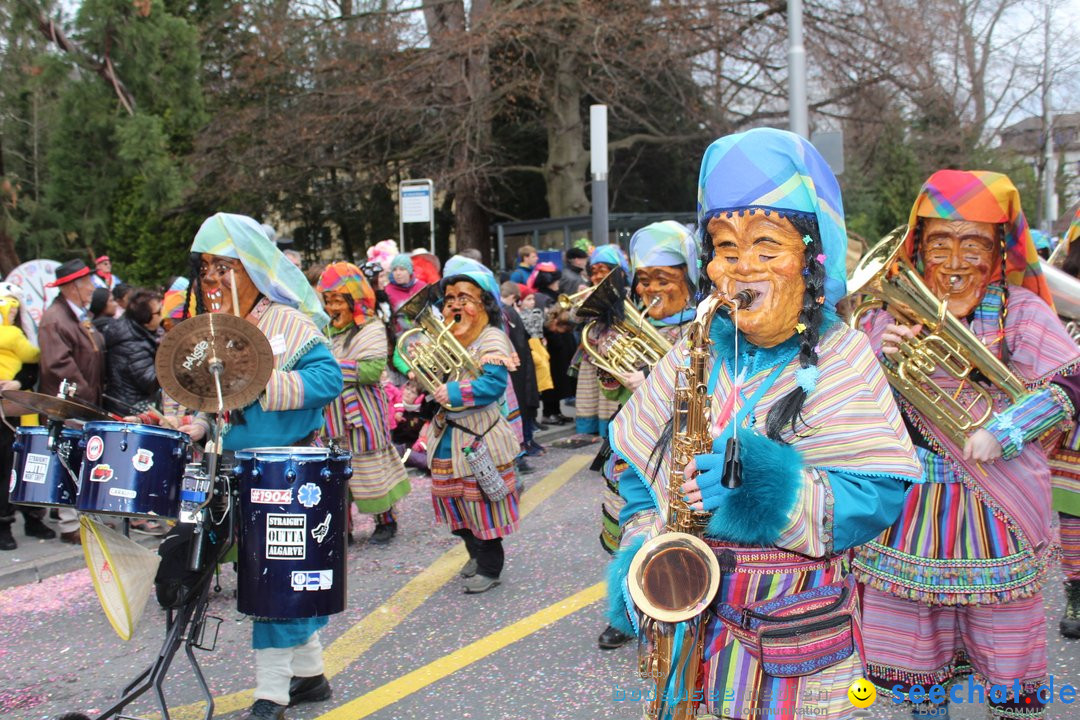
column 674, row 576
column 430, row 350
column 886, row 273
column 636, row 344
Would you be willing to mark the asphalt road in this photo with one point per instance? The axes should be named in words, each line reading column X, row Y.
column 410, row 645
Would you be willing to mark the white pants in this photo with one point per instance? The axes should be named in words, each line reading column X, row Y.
column 69, row 520
column 276, row 667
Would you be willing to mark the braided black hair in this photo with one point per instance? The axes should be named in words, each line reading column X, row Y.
column 194, row 286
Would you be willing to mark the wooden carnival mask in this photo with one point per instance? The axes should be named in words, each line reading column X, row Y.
column 663, row 290
column 463, row 303
column 960, row 258
column 216, row 275
column 598, row 271
column 339, row 307
column 767, row 254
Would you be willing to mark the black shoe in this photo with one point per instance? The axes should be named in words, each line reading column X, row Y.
column 613, row 638
column 561, row 419
column 383, row 533
column 524, row 468
column 309, row 689
column 7, row 541
column 37, row 529
column 265, row 710
column 1070, row 623
column 537, row 425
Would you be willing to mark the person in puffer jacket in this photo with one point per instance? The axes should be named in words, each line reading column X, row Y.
column 130, row 347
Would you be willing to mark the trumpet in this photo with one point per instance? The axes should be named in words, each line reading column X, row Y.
column 431, row 351
column 887, row 274
column 636, row 345
column 573, row 302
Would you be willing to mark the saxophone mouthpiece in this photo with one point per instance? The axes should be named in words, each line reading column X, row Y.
column 655, row 301
column 745, row 298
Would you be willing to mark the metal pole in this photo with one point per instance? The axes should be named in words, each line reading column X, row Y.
column 797, row 113
column 1049, row 195
column 598, row 156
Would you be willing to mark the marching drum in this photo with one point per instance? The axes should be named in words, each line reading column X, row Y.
column 132, row 470
column 292, row 531
column 40, row 476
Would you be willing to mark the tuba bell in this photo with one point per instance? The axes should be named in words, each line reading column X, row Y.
column 636, row 345
column 887, row 274
column 430, row 350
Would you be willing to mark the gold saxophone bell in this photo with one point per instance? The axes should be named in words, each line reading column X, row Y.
column 945, row 344
column 430, row 350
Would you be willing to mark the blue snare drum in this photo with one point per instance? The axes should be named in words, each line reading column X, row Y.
column 40, row 476
column 132, row 470
column 292, row 531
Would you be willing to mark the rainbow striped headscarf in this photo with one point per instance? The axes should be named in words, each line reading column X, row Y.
column 240, row 237
column 982, row 196
column 610, row 254
column 172, row 305
column 1074, row 230
column 343, row 277
column 776, row 170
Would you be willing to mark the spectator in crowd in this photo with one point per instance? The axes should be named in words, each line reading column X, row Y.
column 527, row 259
column 103, row 276
column 102, row 309
column 18, row 358
column 120, row 294
column 295, row 258
column 559, row 340
column 532, row 318
column 72, row 350
column 573, row 272
column 131, row 345
column 403, row 285
column 524, row 377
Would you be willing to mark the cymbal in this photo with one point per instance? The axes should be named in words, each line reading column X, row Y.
column 184, row 358
column 54, row 407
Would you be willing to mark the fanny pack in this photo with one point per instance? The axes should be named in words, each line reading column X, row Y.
column 797, row 634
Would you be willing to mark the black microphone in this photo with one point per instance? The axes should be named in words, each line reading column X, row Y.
column 732, row 477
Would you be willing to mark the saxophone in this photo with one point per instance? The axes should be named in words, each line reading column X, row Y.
column 674, row 576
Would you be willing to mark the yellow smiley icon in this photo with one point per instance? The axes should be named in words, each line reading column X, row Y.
column 862, row 693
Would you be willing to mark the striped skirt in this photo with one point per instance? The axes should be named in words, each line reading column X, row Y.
column 1070, row 547
column 735, row 684
column 378, row 480
column 487, row 520
column 612, row 504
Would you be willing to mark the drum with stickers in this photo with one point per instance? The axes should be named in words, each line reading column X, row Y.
column 44, row 477
column 132, row 470
column 292, row 531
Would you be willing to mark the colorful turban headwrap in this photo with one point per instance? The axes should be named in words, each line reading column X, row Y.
column 474, row 271
column 1074, row 230
column 240, row 237
column 343, row 277
column 775, row 170
column 172, row 304
column 982, row 196
column 402, row 260
column 610, row 254
column 665, row 244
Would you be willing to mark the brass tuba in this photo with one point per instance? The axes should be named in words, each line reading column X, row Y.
column 430, row 350
column 675, row 575
column 886, row 273
column 636, row 345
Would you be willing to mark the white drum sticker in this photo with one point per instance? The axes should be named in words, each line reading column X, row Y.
column 14, row 479
column 142, row 460
column 271, row 496
column 36, row 468
column 319, row 531
column 123, row 492
column 285, row 536
column 312, row 580
column 95, row 446
column 309, row 494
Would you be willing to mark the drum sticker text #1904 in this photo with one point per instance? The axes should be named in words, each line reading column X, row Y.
column 285, row 536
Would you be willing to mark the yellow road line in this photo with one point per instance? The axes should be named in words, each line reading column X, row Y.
column 420, row 678
column 355, row 641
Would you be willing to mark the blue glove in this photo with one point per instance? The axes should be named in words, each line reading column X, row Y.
column 756, row 512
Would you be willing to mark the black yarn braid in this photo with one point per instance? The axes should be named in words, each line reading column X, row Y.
column 194, row 286
column 789, row 408
column 1003, row 353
